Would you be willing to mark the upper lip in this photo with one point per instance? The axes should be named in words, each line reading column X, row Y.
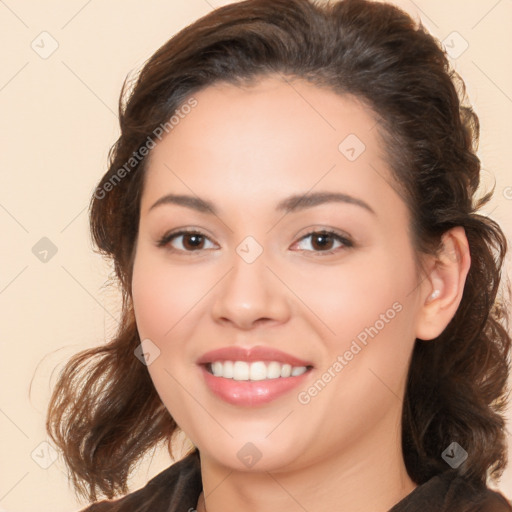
column 257, row 353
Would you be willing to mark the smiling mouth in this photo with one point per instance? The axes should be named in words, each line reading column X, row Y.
column 254, row 371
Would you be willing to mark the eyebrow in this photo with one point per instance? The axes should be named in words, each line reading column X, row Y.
column 301, row 202
column 288, row 205
column 195, row 203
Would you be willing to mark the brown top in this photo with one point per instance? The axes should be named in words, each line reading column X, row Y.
column 177, row 489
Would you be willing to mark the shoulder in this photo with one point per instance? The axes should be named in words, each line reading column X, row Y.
column 476, row 498
column 495, row 502
column 176, row 488
column 450, row 492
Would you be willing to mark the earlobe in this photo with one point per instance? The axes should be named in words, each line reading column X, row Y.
column 441, row 292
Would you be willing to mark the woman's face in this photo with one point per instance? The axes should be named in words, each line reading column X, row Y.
column 297, row 258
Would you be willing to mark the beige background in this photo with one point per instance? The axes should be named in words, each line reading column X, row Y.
column 58, row 121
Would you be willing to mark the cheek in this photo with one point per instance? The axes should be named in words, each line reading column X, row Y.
column 163, row 296
column 374, row 326
column 163, row 301
column 357, row 294
column 370, row 316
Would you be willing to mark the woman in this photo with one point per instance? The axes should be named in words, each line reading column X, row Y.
column 309, row 293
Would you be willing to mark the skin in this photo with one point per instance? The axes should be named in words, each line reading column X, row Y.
column 245, row 149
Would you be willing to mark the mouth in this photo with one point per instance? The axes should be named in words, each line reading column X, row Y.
column 252, row 377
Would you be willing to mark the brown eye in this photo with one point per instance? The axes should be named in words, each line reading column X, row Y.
column 323, row 241
column 193, row 241
column 186, row 241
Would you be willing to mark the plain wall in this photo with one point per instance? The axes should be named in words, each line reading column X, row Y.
column 58, row 121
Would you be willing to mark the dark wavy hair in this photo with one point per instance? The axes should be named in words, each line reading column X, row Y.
column 105, row 413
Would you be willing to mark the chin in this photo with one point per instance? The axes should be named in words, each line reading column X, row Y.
column 253, row 453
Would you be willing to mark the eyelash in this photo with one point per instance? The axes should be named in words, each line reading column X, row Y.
column 346, row 242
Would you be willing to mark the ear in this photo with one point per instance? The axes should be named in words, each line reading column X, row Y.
column 441, row 291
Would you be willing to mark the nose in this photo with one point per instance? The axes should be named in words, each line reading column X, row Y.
column 251, row 295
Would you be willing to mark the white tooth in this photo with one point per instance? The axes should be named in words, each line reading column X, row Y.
column 298, row 370
column 286, row 370
column 258, row 371
column 217, row 369
column 273, row 370
column 240, row 370
column 227, row 372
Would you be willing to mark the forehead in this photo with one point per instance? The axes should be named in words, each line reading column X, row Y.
column 250, row 142
column 294, row 109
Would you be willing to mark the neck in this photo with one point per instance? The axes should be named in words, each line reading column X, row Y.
column 370, row 475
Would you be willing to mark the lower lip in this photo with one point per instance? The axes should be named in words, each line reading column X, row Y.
column 249, row 393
